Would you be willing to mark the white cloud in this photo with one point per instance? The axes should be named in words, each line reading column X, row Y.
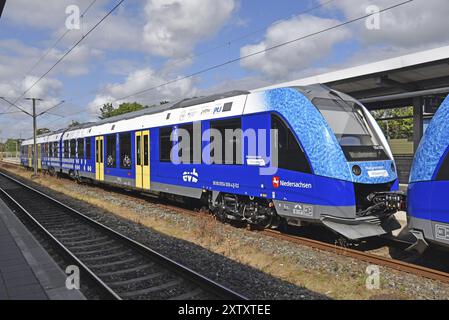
column 48, row 14
column 175, row 26
column 291, row 59
column 418, row 24
column 141, row 80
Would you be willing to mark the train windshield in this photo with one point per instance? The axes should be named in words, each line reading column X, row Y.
column 352, row 129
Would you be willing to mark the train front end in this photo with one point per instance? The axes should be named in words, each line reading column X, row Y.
column 352, row 184
column 427, row 208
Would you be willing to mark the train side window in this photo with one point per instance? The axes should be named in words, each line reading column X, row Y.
column 231, row 141
column 125, row 150
column 190, row 150
column 290, row 154
column 81, row 148
column 73, row 148
column 165, row 144
column 66, row 149
column 138, row 151
column 443, row 172
column 55, row 149
column 146, row 150
column 88, row 150
column 111, row 145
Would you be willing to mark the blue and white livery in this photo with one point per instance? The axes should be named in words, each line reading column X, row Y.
column 427, row 208
column 319, row 157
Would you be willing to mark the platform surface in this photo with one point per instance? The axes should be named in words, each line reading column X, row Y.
column 27, row 271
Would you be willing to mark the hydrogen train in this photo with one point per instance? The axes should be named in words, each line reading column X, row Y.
column 428, row 208
column 325, row 158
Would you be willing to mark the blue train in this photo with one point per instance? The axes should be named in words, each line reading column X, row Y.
column 296, row 155
column 427, row 207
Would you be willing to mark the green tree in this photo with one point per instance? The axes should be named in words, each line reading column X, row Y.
column 398, row 123
column 108, row 109
column 12, row 144
column 40, row 131
column 74, row 124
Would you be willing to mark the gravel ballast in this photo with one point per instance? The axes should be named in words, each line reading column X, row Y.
column 292, row 272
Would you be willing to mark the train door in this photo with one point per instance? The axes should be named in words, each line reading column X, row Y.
column 39, row 156
column 30, row 156
column 142, row 143
column 99, row 161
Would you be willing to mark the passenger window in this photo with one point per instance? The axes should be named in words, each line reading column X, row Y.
column 443, row 172
column 111, row 145
column 125, row 150
column 80, row 148
column 66, row 149
column 72, row 148
column 187, row 151
column 290, row 154
column 230, row 133
column 88, row 150
column 165, row 144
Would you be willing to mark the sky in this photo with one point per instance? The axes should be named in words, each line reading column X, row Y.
column 147, row 43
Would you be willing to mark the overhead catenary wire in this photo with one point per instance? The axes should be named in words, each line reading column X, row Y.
column 227, row 43
column 47, row 52
column 62, row 36
column 70, row 50
column 339, row 25
column 261, row 51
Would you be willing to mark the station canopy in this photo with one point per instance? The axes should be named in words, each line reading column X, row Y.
column 389, row 83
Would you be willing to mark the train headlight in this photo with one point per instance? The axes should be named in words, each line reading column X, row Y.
column 356, row 170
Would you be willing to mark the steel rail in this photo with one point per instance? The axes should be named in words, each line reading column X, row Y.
column 364, row 256
column 360, row 255
column 201, row 281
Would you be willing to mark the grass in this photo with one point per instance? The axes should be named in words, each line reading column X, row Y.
column 212, row 235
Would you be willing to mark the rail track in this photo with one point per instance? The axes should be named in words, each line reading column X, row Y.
column 364, row 256
column 120, row 267
column 371, row 258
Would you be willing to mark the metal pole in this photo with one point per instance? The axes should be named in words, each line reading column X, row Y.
column 34, row 137
column 417, row 122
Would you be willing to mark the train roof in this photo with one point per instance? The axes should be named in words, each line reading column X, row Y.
column 177, row 110
column 185, row 103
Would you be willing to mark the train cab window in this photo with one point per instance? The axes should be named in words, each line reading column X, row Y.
column 111, row 145
column 88, row 150
column 125, row 150
column 352, row 129
column 443, row 172
column 231, row 141
column 72, row 148
column 165, row 144
column 66, row 149
column 290, row 154
column 80, row 148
